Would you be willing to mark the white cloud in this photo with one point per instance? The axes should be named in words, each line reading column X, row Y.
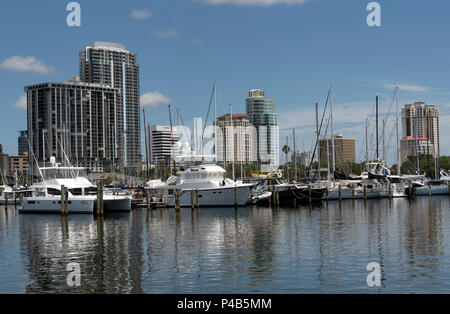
column 154, row 99
column 407, row 87
column 26, row 64
column 21, row 103
column 165, row 33
column 141, row 14
column 254, row 2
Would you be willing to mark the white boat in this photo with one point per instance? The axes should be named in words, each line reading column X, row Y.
column 7, row 193
column 82, row 195
column 214, row 189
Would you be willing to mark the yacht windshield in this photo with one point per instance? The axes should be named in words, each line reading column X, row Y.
column 62, row 173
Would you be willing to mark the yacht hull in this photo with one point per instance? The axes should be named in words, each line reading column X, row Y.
column 117, row 204
column 221, row 197
column 52, row 205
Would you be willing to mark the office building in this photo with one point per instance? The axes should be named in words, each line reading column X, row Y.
column 303, row 159
column 22, row 143
column 421, row 121
column 261, row 114
column 111, row 64
column 76, row 121
column 161, row 143
column 236, row 139
column 9, row 165
column 344, row 149
column 412, row 146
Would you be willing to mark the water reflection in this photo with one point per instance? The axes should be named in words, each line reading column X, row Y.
column 318, row 248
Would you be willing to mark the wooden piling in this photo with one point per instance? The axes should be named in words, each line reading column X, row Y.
column 197, row 198
column 100, row 208
column 63, row 201
column 340, row 192
column 310, row 195
column 6, row 201
column 192, row 199
column 390, row 190
column 365, row 192
column 66, row 201
column 177, row 200
column 353, row 194
column 235, row 197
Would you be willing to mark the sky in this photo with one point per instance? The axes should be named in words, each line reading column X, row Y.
column 293, row 49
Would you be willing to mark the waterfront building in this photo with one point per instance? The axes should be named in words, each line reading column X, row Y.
column 113, row 65
column 303, row 159
column 236, row 141
column 197, row 136
column 12, row 164
column 261, row 114
column 344, row 150
column 22, row 143
column 74, row 120
column 161, row 143
column 421, row 121
column 412, row 146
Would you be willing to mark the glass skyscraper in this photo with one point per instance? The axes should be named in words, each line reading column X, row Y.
column 261, row 113
column 111, row 64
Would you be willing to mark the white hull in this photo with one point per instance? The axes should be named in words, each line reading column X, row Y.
column 10, row 201
column 435, row 190
column 346, row 193
column 49, row 204
column 214, row 197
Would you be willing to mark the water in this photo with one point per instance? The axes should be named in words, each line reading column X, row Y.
column 323, row 249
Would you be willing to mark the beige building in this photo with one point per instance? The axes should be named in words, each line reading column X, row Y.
column 9, row 164
column 344, row 150
column 421, row 121
column 409, row 146
column 239, row 139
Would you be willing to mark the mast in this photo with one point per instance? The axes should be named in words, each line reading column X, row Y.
column 287, row 161
column 367, row 141
column 333, row 162
column 146, row 146
column 171, row 150
column 43, row 148
column 232, row 139
column 398, row 136
column 318, row 139
column 295, row 157
column 215, row 123
column 378, row 152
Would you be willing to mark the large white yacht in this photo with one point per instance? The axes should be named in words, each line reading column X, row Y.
column 214, row 189
column 82, row 196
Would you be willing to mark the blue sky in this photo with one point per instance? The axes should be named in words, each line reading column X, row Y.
column 292, row 51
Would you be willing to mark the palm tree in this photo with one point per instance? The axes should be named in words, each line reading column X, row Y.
column 286, row 150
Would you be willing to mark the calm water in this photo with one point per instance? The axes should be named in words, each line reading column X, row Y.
column 323, row 249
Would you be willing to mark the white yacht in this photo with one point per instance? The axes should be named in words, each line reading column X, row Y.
column 214, row 189
column 7, row 193
column 82, row 197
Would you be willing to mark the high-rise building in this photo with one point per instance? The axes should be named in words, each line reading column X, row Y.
column 74, row 120
column 161, row 143
column 22, row 143
column 410, row 146
column 236, row 142
column 344, row 150
column 303, row 159
column 197, row 136
column 421, row 121
column 111, row 64
column 261, row 113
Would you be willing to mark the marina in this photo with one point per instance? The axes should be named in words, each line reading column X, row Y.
column 322, row 248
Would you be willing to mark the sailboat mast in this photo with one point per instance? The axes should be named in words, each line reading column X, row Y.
column 295, row 157
column 333, row 162
column 317, row 139
column 171, row 135
column 146, row 146
column 376, row 131
column 398, row 136
column 215, row 123
column 232, row 140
